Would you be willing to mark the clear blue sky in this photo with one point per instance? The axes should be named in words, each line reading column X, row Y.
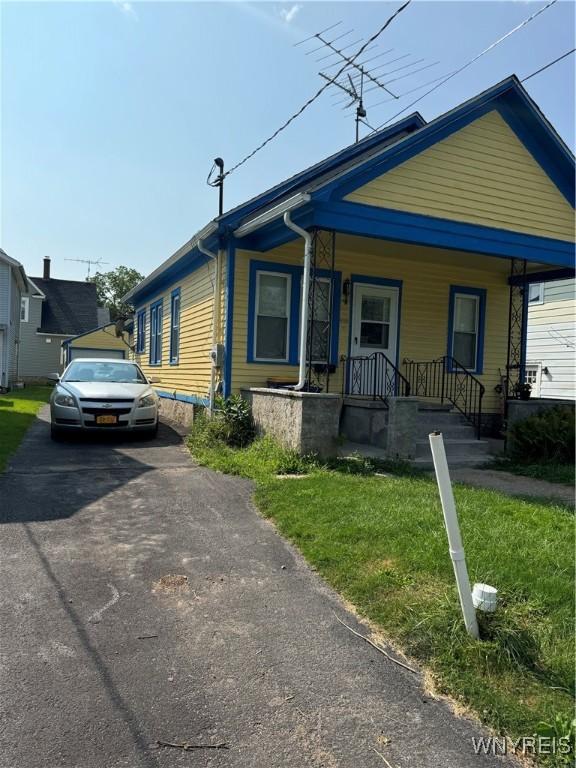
column 112, row 112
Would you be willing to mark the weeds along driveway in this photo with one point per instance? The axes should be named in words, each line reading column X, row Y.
column 101, row 659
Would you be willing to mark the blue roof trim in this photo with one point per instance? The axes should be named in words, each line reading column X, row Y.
column 370, row 221
column 511, row 101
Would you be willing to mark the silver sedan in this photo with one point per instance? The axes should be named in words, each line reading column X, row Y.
column 103, row 395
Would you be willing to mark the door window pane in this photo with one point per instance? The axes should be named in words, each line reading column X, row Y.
column 376, row 308
column 273, row 300
column 374, row 335
column 375, row 322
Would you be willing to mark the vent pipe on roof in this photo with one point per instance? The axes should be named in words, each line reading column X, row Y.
column 46, row 274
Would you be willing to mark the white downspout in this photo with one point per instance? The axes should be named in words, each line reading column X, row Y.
column 216, row 298
column 305, row 291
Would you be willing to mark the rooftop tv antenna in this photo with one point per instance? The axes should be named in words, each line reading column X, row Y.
column 361, row 74
column 90, row 262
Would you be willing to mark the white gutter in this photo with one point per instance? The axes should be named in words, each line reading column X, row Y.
column 273, row 213
column 216, row 298
column 304, row 299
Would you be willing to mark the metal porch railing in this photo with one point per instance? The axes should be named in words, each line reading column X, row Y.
column 445, row 379
column 374, row 377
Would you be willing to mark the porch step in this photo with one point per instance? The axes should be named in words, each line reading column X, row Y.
column 454, row 463
column 435, row 406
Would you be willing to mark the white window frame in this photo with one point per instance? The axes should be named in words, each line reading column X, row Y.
column 540, row 297
column 476, row 299
column 25, row 305
column 288, row 277
column 536, row 386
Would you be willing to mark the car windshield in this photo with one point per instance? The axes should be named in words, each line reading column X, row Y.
column 118, row 373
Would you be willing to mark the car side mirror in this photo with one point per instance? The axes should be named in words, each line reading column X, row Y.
column 153, row 380
column 53, row 377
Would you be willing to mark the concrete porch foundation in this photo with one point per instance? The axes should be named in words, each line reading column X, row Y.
column 306, row 422
column 392, row 429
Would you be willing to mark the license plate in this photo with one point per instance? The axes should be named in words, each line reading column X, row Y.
column 108, row 419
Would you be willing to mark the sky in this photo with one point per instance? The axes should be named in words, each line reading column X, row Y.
column 112, row 112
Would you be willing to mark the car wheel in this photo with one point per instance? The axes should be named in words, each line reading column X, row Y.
column 55, row 433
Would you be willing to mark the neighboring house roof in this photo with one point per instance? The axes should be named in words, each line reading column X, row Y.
column 378, row 153
column 103, row 314
column 17, row 267
column 70, row 306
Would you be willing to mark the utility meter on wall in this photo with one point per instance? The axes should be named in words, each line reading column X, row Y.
column 217, row 355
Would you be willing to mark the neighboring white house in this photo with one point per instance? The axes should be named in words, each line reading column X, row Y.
column 551, row 339
column 13, row 283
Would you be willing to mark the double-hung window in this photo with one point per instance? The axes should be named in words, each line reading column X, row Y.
column 174, row 325
column 156, row 333
column 141, row 332
column 467, row 310
column 272, row 316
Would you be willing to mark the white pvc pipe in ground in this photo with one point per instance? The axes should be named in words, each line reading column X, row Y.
column 453, row 531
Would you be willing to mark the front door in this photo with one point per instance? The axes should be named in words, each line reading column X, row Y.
column 374, row 329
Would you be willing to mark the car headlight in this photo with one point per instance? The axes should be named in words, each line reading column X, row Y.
column 146, row 401
column 62, row 399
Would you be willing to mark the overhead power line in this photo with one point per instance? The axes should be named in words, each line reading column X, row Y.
column 321, row 90
column 471, row 61
column 546, row 66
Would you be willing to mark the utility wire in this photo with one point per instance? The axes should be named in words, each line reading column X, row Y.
column 321, row 90
column 472, row 61
column 548, row 65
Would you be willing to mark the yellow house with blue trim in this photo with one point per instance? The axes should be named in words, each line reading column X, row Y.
column 396, row 266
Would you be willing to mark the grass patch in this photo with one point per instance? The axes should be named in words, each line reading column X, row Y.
column 380, row 541
column 17, row 411
column 564, row 474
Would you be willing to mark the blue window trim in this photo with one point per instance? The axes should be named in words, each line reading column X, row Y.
column 480, row 293
column 295, row 273
column 154, row 307
column 174, row 354
column 141, row 331
column 371, row 280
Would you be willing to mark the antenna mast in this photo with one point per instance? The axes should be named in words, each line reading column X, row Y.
column 96, row 262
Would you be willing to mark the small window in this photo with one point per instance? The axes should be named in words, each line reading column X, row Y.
column 536, row 293
column 24, row 308
column 141, row 332
column 533, row 376
column 174, row 325
column 272, row 316
column 465, row 343
column 156, row 333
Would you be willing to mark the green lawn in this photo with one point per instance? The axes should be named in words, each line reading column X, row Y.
column 17, row 411
column 380, row 541
column 564, row 474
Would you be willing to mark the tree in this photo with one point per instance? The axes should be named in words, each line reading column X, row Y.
column 112, row 286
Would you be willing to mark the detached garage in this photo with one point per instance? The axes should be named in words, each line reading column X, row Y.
column 101, row 342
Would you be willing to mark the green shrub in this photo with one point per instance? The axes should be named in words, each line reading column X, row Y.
column 235, row 418
column 544, row 437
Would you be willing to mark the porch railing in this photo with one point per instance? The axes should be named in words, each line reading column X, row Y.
column 445, row 379
column 374, row 377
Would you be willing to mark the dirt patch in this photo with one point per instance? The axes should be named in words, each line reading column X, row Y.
column 171, row 583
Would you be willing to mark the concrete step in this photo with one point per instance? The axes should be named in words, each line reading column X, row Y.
column 456, row 449
column 432, row 405
column 431, row 420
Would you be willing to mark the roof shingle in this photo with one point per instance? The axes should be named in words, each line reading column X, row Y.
column 70, row 306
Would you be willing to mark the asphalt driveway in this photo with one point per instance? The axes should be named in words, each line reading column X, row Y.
column 101, row 657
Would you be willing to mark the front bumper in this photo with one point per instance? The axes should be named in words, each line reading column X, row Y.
column 92, row 415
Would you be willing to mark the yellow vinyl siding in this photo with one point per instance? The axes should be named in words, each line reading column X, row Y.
column 191, row 375
column 482, row 174
column 426, row 275
column 103, row 338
